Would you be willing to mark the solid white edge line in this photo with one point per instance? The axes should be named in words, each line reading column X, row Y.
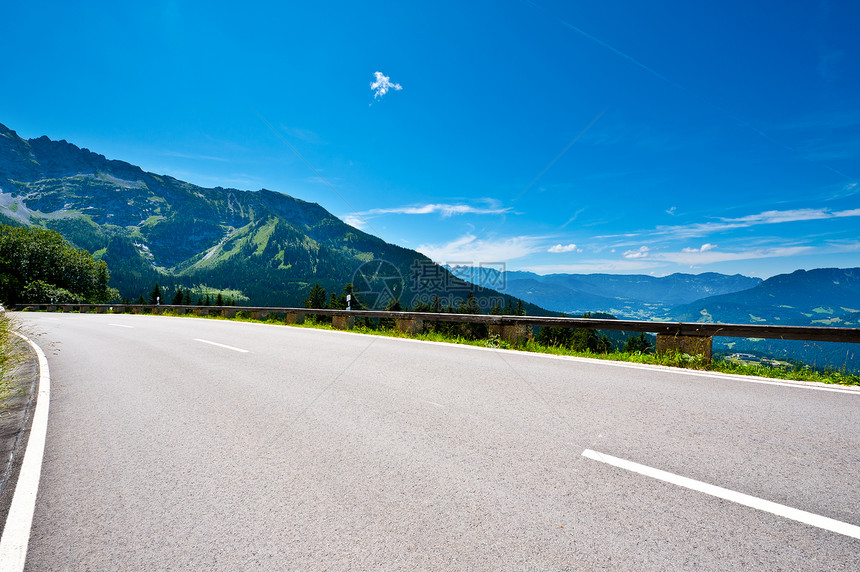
column 16, row 533
column 235, row 349
column 726, row 494
column 122, row 326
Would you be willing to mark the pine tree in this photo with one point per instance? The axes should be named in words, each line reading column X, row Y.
column 178, row 297
column 219, row 300
column 316, row 297
column 155, row 295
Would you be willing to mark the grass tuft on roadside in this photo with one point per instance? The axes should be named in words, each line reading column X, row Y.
column 10, row 357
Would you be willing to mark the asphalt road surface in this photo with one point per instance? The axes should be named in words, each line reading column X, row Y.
column 192, row 444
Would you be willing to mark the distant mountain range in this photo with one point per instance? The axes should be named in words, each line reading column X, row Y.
column 628, row 296
column 825, row 296
column 266, row 247
column 821, row 297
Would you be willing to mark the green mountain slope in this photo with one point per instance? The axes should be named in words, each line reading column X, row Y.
column 270, row 246
column 820, row 297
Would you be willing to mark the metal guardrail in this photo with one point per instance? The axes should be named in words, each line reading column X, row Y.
column 675, row 329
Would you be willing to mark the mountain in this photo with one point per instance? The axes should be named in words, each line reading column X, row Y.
column 820, row 297
column 629, row 296
column 824, row 296
column 264, row 246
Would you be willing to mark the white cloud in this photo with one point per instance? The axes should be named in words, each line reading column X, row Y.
column 767, row 217
column 573, row 218
column 640, row 252
column 446, row 210
column 383, row 84
column 475, row 251
column 704, row 248
column 698, row 257
column 591, row 266
column 671, row 211
column 355, row 220
column 558, row 248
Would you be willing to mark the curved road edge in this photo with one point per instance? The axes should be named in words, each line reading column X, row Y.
column 16, row 532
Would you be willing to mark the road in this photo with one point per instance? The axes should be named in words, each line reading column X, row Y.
column 183, row 443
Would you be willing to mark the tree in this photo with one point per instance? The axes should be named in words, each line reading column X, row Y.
column 155, row 295
column 316, row 297
column 178, row 298
column 219, row 300
column 639, row 344
column 520, row 311
column 37, row 264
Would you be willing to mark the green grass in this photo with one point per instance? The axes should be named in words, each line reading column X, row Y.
column 10, row 356
column 669, row 359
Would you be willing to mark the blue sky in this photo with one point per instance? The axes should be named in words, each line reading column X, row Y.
column 611, row 136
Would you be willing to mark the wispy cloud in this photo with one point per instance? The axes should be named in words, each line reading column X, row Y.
column 445, row 210
column 383, row 85
column 767, row 217
column 573, row 218
column 474, row 251
column 590, row 266
column 305, row 135
column 698, row 257
column 559, row 248
column 194, row 156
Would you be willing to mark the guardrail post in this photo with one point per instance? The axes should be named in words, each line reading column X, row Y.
column 343, row 322
column 409, row 325
column 692, row 345
column 511, row 333
column 295, row 318
column 228, row 313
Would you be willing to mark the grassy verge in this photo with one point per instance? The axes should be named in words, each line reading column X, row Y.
column 670, row 359
column 10, row 357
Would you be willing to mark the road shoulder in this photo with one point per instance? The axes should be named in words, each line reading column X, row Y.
column 15, row 422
